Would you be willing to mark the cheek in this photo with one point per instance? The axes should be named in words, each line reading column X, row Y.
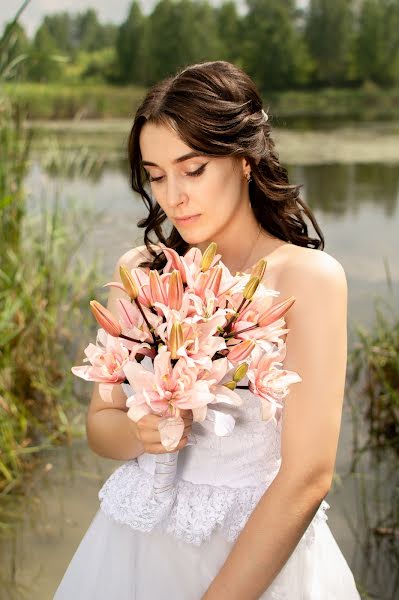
column 157, row 194
column 218, row 189
column 221, row 191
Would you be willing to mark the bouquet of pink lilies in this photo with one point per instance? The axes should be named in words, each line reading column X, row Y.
column 184, row 339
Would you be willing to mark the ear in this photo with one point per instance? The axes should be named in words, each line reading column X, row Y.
column 245, row 165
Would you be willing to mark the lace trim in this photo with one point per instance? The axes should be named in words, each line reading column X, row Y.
column 191, row 513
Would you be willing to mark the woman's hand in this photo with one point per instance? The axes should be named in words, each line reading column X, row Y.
column 146, row 430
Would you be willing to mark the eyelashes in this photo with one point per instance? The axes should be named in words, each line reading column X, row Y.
column 192, row 174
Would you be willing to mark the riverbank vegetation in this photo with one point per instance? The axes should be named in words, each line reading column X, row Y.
column 374, row 370
column 44, row 294
column 327, row 58
column 100, row 101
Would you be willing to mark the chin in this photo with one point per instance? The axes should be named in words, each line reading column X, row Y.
column 194, row 238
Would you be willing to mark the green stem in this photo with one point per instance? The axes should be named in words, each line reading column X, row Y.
column 145, row 319
column 244, row 330
column 126, row 337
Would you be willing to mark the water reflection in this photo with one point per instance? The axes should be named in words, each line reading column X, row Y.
column 355, row 205
column 341, row 189
column 60, row 502
column 334, row 189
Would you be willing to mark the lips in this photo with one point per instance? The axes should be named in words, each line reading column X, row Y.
column 186, row 219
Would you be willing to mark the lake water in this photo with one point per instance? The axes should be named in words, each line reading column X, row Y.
column 350, row 180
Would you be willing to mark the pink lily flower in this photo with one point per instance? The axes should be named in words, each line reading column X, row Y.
column 241, row 351
column 270, row 382
column 107, row 357
column 142, row 282
column 165, row 391
column 222, row 394
column 200, row 340
column 105, row 318
column 133, row 322
column 175, row 261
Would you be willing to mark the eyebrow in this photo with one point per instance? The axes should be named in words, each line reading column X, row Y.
column 176, row 160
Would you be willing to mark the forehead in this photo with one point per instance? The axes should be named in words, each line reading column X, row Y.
column 160, row 143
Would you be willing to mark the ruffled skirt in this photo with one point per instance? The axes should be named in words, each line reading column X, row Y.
column 116, row 561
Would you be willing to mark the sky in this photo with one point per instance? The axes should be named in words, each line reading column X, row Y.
column 108, row 11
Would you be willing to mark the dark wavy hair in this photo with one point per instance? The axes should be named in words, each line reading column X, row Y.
column 216, row 110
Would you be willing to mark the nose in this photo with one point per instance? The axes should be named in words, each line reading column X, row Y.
column 175, row 193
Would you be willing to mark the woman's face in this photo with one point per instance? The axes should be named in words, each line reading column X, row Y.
column 211, row 190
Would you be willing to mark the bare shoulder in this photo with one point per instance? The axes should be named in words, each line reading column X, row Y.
column 134, row 257
column 306, row 272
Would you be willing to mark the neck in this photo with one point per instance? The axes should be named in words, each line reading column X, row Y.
column 253, row 244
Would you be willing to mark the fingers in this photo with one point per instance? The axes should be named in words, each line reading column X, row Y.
column 158, row 448
column 146, row 430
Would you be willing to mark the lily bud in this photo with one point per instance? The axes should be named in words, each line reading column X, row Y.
column 128, row 282
column 230, row 384
column 241, row 351
column 175, row 295
column 105, row 318
column 259, row 269
column 276, row 311
column 156, row 288
column 251, row 288
column 240, row 372
column 176, row 339
column 208, row 256
column 214, row 280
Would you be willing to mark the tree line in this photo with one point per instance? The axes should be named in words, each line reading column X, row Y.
column 344, row 43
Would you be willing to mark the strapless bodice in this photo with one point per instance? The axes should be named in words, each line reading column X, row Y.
column 219, row 480
column 248, row 457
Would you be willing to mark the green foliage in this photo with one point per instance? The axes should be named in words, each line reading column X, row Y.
column 100, row 66
column 230, row 30
column 43, row 302
column 180, row 33
column 61, row 101
column 274, row 51
column 329, row 35
column 56, row 101
column 45, row 63
column 345, row 43
column 374, row 362
column 60, row 27
column 16, row 49
column 44, row 290
column 80, row 32
column 131, row 45
column 377, row 42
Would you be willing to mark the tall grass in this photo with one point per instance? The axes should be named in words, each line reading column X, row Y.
column 44, row 293
column 374, row 362
column 373, row 376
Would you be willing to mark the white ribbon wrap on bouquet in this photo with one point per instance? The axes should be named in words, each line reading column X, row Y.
column 165, row 467
column 166, row 463
column 164, row 475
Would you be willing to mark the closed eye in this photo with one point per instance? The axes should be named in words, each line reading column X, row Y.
column 190, row 174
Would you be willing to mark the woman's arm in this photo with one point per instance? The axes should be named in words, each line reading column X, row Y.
column 110, row 432
column 317, row 350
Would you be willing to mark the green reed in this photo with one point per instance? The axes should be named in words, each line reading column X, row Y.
column 373, row 396
column 374, row 367
column 44, row 293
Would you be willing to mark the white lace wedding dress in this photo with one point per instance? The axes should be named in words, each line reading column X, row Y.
column 137, row 549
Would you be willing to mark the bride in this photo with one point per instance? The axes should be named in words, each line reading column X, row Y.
column 249, row 518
